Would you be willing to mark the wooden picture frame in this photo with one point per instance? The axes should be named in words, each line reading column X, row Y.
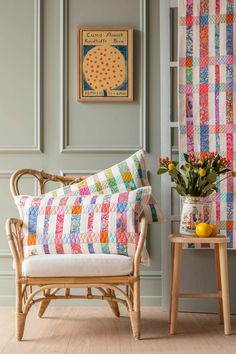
column 105, row 64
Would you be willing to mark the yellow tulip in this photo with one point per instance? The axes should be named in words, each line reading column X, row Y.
column 202, row 172
column 234, row 173
column 171, row 167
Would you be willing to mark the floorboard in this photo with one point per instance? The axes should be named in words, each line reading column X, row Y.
column 90, row 330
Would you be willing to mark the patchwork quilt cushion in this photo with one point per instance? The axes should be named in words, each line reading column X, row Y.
column 127, row 175
column 75, row 224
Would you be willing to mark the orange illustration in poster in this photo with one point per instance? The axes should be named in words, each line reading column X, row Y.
column 104, row 70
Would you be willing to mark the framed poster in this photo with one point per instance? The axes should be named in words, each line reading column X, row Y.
column 105, row 64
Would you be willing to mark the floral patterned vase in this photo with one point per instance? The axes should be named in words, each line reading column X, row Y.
column 194, row 211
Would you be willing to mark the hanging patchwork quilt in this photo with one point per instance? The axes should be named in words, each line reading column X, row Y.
column 207, row 93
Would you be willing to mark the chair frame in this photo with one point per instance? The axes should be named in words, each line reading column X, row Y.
column 28, row 289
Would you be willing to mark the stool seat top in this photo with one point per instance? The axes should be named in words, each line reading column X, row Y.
column 180, row 238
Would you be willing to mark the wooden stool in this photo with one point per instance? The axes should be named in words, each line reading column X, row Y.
column 220, row 243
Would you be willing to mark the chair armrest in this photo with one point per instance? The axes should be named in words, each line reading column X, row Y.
column 142, row 238
column 13, row 231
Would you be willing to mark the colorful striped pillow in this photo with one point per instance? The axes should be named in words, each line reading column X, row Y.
column 127, row 175
column 75, row 224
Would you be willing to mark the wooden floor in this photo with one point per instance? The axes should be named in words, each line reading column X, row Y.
column 94, row 330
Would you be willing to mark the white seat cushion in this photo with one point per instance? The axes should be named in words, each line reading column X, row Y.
column 66, row 265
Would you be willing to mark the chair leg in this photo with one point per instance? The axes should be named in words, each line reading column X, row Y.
column 20, row 325
column 44, row 304
column 135, row 313
column 175, row 287
column 225, row 287
column 218, row 283
column 42, row 307
column 20, row 316
column 113, row 305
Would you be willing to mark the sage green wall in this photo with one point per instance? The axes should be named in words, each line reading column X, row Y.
column 44, row 127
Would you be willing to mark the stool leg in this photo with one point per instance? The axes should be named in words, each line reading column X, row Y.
column 175, row 287
column 171, row 277
column 225, row 287
column 218, row 283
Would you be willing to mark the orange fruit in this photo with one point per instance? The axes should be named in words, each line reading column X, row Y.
column 203, row 229
column 214, row 230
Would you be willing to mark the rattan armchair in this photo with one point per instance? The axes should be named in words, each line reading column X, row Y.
column 30, row 290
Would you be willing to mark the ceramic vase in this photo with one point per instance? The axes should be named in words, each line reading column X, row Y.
column 194, row 211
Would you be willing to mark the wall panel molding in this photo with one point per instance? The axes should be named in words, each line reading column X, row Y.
column 5, row 253
column 7, row 274
column 65, row 144
column 151, row 274
column 78, row 172
column 37, row 146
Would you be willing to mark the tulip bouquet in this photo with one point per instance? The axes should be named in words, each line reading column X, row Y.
column 198, row 176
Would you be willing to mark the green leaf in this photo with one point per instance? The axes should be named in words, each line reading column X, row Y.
column 215, row 162
column 175, row 163
column 161, row 171
column 211, row 178
column 185, row 179
column 173, row 173
column 201, row 182
column 208, row 187
column 180, row 189
column 186, row 157
column 184, row 168
column 209, row 192
column 224, row 170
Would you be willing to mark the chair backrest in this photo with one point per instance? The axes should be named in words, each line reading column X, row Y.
column 42, row 178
